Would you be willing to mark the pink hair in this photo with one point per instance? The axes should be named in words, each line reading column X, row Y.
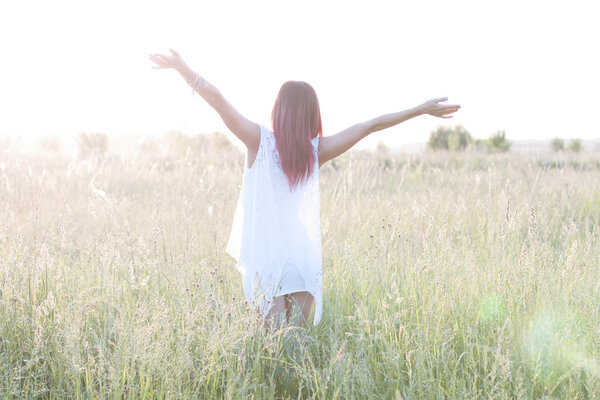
column 296, row 119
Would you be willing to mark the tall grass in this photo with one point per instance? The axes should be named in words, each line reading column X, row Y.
column 445, row 276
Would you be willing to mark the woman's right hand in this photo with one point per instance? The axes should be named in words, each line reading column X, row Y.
column 432, row 107
column 163, row 61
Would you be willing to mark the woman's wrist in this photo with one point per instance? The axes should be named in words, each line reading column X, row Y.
column 186, row 72
column 420, row 110
column 193, row 78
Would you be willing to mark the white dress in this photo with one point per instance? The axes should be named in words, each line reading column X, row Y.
column 276, row 232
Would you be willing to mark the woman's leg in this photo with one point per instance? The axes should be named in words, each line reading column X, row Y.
column 288, row 307
column 277, row 315
column 299, row 301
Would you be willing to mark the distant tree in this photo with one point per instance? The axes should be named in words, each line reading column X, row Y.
column 5, row 143
column 557, row 144
column 574, row 145
column 178, row 143
column 459, row 139
column 497, row 142
column 148, row 145
column 92, row 143
column 208, row 142
column 478, row 145
column 382, row 148
column 438, row 139
column 221, row 141
column 445, row 138
column 50, row 143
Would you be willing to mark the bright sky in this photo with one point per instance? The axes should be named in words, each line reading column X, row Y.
column 529, row 67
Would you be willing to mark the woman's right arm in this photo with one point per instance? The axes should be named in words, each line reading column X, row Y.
column 335, row 145
column 247, row 131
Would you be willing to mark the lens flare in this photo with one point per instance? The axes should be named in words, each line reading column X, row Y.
column 555, row 345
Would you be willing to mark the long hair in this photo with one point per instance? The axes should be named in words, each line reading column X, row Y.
column 296, row 119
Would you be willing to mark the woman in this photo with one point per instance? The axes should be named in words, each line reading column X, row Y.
column 276, row 234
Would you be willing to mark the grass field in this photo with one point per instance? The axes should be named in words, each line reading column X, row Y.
column 445, row 276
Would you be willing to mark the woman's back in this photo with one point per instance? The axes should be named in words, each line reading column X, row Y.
column 275, row 225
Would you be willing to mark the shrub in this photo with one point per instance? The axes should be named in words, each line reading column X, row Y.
column 220, row 140
column 438, row 139
column 210, row 142
column 497, row 142
column 459, row 139
column 574, row 146
column 382, row 148
column 148, row 145
column 178, row 143
column 182, row 145
column 444, row 138
column 50, row 143
column 557, row 144
column 92, row 143
column 478, row 145
column 5, row 143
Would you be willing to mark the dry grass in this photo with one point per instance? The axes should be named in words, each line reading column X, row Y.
column 445, row 276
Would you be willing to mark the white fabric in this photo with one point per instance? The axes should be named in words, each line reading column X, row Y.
column 291, row 281
column 274, row 226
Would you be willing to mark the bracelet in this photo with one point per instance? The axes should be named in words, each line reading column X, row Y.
column 199, row 84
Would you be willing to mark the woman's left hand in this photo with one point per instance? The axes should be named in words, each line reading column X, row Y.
column 163, row 61
column 433, row 107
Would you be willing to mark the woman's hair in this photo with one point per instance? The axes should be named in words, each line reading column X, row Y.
column 296, row 120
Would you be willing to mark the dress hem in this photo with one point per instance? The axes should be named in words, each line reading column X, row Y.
column 288, row 291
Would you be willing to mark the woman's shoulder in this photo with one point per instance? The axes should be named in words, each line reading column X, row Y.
column 266, row 146
column 265, row 130
column 266, row 134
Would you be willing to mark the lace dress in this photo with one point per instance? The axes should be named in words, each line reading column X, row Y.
column 276, row 232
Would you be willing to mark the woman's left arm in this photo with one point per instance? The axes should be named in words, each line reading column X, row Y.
column 335, row 145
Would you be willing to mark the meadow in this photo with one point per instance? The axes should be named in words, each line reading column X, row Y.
column 467, row 275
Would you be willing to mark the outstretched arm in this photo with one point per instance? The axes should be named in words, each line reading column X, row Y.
column 335, row 145
column 247, row 131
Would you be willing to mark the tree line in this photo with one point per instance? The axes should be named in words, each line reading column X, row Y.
column 459, row 139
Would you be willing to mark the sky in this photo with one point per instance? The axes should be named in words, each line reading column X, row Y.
column 527, row 67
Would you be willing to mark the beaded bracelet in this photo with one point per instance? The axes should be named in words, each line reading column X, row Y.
column 199, row 84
